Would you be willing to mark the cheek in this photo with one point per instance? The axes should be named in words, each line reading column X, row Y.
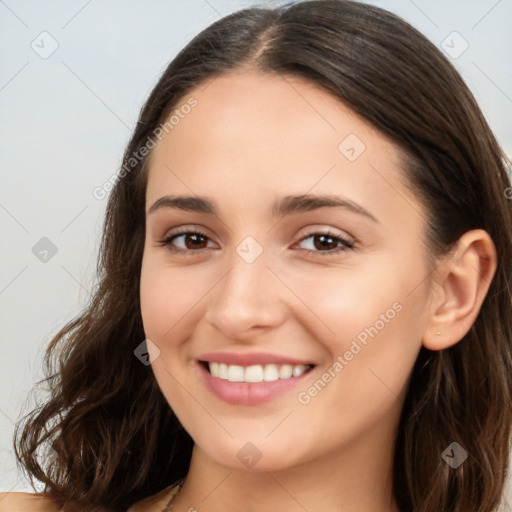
column 371, row 322
column 354, row 301
column 168, row 295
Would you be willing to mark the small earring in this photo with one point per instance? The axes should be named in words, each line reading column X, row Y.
column 438, row 333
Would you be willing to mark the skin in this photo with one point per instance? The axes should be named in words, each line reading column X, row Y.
column 251, row 139
column 254, row 138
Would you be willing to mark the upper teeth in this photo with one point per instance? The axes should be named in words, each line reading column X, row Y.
column 256, row 373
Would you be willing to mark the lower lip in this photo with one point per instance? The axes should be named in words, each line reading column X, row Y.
column 249, row 393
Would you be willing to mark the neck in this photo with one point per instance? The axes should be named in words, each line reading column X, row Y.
column 357, row 477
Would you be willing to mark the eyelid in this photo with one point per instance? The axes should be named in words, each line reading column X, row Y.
column 185, row 230
column 325, row 230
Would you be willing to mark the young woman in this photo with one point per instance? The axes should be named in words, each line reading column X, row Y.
column 304, row 298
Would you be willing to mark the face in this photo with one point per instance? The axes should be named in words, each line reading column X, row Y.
column 245, row 284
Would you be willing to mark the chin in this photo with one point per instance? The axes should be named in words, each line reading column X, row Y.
column 249, row 457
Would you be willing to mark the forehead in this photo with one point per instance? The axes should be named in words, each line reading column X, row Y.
column 253, row 136
column 262, row 111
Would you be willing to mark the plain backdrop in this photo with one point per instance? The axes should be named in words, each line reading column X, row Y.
column 73, row 77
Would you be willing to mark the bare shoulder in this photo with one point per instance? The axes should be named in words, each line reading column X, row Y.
column 24, row 502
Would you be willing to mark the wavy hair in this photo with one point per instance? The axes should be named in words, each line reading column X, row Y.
column 114, row 436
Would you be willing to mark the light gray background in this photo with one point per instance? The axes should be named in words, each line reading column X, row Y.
column 65, row 120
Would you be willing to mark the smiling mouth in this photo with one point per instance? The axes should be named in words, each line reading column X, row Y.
column 255, row 373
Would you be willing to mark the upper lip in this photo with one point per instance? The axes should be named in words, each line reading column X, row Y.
column 250, row 358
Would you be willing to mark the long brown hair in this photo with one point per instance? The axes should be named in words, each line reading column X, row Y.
column 114, row 436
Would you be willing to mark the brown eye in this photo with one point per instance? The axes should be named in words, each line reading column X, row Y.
column 186, row 241
column 194, row 241
column 326, row 243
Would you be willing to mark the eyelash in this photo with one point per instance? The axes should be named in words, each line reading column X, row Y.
column 346, row 244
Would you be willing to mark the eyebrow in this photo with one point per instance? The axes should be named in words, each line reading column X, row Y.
column 284, row 206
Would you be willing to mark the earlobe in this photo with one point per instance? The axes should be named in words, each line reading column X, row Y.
column 461, row 284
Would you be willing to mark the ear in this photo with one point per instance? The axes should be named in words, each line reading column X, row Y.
column 460, row 285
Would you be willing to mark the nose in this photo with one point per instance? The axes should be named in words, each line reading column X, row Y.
column 249, row 298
